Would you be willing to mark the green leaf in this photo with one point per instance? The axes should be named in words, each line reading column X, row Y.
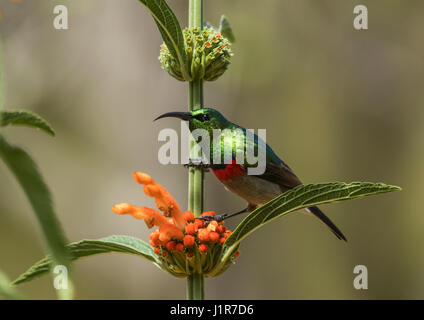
column 38, row 194
column 6, row 290
column 27, row 118
column 298, row 198
column 226, row 30
column 84, row 248
column 170, row 29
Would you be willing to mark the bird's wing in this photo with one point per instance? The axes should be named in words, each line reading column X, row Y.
column 281, row 174
column 276, row 170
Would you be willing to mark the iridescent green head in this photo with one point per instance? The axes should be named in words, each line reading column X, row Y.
column 205, row 118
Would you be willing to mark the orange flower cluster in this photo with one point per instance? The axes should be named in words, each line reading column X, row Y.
column 196, row 232
column 179, row 236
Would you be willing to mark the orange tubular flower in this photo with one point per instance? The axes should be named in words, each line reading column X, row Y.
column 189, row 240
column 214, row 236
column 179, row 237
column 188, row 216
column 167, row 230
column 191, row 228
column 203, row 235
column 164, row 201
column 171, row 245
column 203, row 248
column 179, row 247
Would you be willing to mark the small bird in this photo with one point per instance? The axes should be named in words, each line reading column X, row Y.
column 255, row 189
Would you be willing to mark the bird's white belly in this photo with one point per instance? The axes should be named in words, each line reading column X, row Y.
column 252, row 189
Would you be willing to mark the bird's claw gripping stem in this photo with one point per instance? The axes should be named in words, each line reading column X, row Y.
column 214, row 218
column 224, row 216
column 197, row 163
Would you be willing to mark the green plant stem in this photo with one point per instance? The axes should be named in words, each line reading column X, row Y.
column 195, row 282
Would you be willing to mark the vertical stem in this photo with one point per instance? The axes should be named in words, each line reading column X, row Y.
column 189, row 288
column 195, row 282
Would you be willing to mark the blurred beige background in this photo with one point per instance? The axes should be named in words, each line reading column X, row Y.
column 338, row 104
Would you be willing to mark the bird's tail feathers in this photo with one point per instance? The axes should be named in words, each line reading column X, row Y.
column 321, row 216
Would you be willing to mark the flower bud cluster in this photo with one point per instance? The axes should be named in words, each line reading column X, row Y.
column 183, row 244
column 200, row 247
column 207, row 55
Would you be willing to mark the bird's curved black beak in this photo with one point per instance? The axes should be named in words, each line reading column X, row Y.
column 179, row 115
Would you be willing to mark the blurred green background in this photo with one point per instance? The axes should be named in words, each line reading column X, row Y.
column 338, row 105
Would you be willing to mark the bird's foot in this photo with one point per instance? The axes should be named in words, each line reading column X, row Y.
column 219, row 218
column 197, row 163
column 224, row 216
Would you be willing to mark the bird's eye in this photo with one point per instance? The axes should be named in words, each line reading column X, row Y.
column 203, row 117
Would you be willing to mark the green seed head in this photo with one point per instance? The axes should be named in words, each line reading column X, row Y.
column 208, row 55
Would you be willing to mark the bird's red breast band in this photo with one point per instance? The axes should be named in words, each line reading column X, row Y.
column 230, row 171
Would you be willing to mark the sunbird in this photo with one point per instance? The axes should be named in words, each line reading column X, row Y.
column 255, row 189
